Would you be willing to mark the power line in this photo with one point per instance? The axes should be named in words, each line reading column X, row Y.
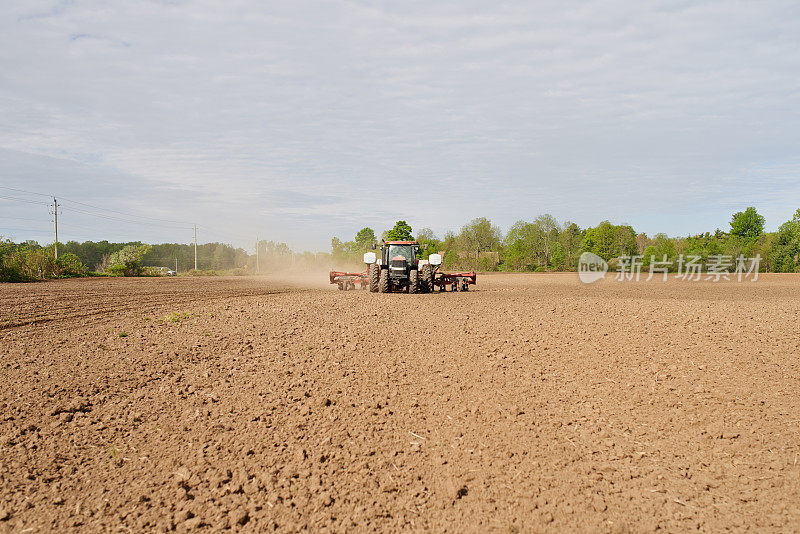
column 73, row 225
column 18, row 218
column 119, row 212
column 223, row 234
column 25, row 229
column 101, row 215
column 23, row 191
column 48, row 231
column 25, row 200
column 63, row 199
column 128, row 217
column 68, row 225
column 113, row 218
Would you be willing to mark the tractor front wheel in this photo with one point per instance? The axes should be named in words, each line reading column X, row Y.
column 374, row 271
column 413, row 281
column 383, row 284
column 426, row 279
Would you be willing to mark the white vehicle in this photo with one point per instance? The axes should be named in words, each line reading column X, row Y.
column 164, row 271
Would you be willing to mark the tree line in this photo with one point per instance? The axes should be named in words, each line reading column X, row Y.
column 545, row 244
column 31, row 261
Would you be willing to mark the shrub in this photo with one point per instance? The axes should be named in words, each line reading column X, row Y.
column 450, row 259
column 487, row 263
column 203, row 272
column 7, row 273
column 648, row 254
column 70, row 265
column 23, row 263
column 128, row 260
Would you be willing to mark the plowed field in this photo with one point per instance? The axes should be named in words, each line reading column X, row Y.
column 532, row 403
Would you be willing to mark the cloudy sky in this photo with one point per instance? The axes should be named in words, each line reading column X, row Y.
column 300, row 120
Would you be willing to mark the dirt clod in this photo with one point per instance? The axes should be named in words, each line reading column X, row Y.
column 239, row 517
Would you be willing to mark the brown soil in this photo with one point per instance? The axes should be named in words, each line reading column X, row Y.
column 531, row 403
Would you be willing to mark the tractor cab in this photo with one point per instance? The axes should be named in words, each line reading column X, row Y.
column 399, row 254
column 400, row 259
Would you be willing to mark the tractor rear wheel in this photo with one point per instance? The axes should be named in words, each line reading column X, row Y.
column 426, row 279
column 413, row 281
column 383, row 283
column 374, row 277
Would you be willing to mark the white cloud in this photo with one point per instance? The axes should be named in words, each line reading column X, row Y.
column 296, row 120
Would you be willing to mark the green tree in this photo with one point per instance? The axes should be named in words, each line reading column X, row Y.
column 521, row 246
column 400, row 232
column 784, row 252
column 448, row 246
column 9, row 272
column 428, row 242
column 365, row 238
column 747, row 223
column 478, row 238
column 610, row 241
column 664, row 247
column 548, row 230
column 558, row 257
column 70, row 265
column 450, row 260
column 337, row 249
column 625, row 242
column 571, row 237
column 480, row 235
column 649, row 254
column 128, row 260
column 530, row 246
column 600, row 240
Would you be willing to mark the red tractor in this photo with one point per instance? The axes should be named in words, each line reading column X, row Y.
column 399, row 268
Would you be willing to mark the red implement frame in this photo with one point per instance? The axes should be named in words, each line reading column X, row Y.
column 459, row 281
column 347, row 280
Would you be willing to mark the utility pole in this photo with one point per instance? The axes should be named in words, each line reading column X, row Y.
column 176, row 265
column 55, row 219
column 195, row 247
column 258, row 265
